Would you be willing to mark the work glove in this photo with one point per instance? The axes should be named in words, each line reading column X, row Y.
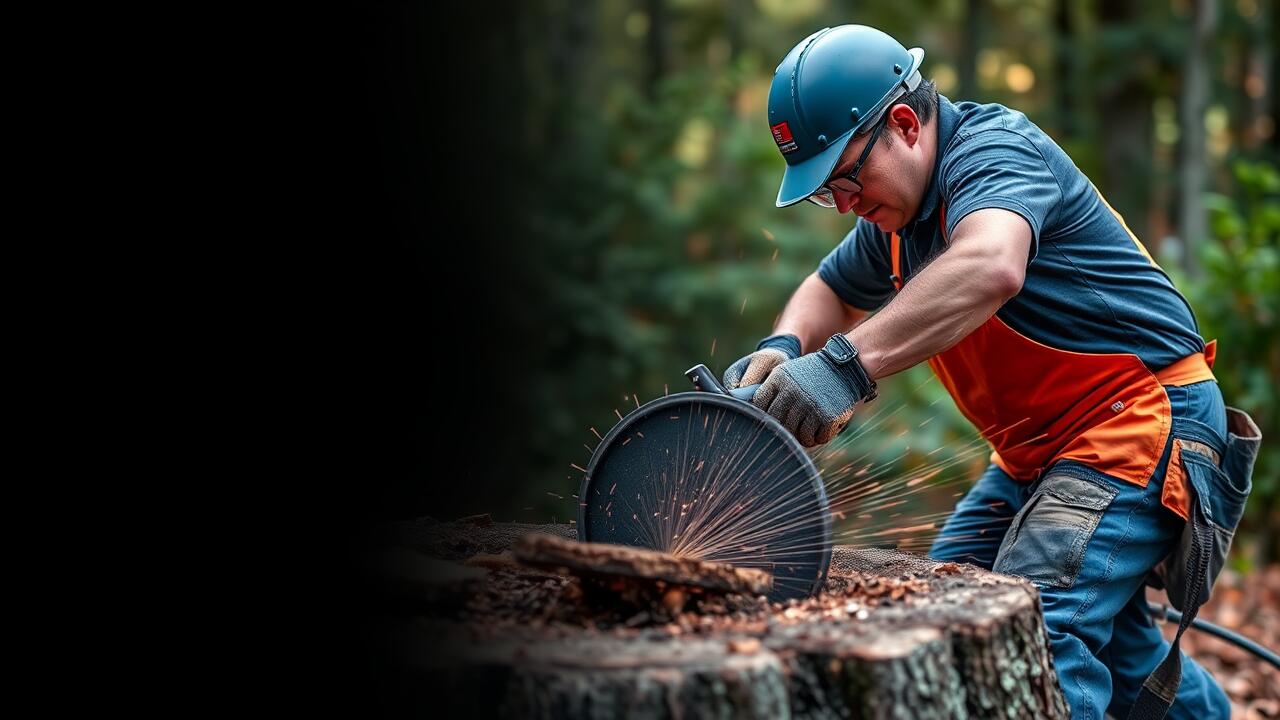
column 813, row 396
column 754, row 368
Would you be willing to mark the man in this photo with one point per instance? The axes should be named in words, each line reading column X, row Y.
column 984, row 251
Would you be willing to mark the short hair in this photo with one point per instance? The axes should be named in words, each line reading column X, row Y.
column 923, row 101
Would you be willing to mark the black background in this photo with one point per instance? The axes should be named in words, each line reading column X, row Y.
column 402, row 226
column 422, row 219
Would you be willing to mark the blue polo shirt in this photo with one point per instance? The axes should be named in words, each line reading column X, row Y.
column 1090, row 285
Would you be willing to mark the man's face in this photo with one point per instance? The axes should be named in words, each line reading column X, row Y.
column 889, row 197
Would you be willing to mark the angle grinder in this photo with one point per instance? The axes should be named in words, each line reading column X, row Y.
column 706, row 474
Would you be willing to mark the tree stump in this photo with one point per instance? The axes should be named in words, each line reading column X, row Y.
column 891, row 636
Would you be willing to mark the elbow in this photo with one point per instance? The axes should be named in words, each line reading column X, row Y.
column 994, row 279
column 1006, row 281
column 1005, row 274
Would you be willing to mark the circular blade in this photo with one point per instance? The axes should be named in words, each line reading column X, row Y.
column 705, row 475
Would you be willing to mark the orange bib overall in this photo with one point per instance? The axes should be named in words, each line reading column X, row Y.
column 1037, row 404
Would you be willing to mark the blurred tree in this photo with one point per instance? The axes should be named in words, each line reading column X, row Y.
column 655, row 45
column 1195, row 100
column 1256, row 72
column 974, row 24
column 1123, row 76
column 1067, row 68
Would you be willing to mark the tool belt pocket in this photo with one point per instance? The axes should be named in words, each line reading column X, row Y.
column 1219, row 488
column 1046, row 541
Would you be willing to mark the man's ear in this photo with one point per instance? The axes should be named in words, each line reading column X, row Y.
column 904, row 122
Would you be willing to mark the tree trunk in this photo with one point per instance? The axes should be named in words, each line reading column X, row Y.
column 1066, row 67
column 655, row 47
column 891, row 636
column 1193, row 170
column 1259, row 75
column 974, row 23
column 908, row 673
column 1127, row 119
column 595, row 677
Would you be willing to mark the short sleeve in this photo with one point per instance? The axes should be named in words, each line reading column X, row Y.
column 1000, row 169
column 857, row 270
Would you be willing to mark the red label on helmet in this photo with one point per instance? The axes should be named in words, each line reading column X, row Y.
column 782, row 136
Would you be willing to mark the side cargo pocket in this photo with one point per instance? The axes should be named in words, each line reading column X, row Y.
column 1046, row 542
column 1243, row 441
column 1217, row 506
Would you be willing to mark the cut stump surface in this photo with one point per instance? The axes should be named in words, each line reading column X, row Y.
column 891, row 635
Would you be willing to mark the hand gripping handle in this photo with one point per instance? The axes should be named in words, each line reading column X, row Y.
column 703, row 380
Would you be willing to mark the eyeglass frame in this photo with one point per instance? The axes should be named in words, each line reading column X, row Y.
column 852, row 175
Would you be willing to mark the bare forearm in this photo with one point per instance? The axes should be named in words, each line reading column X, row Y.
column 814, row 313
column 946, row 301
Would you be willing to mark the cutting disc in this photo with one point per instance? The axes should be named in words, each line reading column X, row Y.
column 706, row 475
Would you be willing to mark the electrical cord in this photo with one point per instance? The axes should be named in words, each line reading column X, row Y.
column 1165, row 612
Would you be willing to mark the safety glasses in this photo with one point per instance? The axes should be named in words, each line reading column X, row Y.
column 824, row 196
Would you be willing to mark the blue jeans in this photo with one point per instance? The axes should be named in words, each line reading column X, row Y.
column 1087, row 541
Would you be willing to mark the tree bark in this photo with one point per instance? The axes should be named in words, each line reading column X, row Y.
column 896, row 673
column 598, row 559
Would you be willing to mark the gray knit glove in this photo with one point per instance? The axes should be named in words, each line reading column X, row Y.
column 813, row 396
column 754, row 368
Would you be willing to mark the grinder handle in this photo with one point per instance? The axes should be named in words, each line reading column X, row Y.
column 702, row 379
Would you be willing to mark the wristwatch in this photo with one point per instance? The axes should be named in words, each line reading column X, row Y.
column 844, row 356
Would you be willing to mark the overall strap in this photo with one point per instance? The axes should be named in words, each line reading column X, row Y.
column 895, row 253
column 895, row 248
column 1161, row 687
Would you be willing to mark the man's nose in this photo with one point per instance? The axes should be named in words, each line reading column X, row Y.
column 844, row 201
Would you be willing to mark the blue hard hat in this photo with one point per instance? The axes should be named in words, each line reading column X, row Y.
column 829, row 88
